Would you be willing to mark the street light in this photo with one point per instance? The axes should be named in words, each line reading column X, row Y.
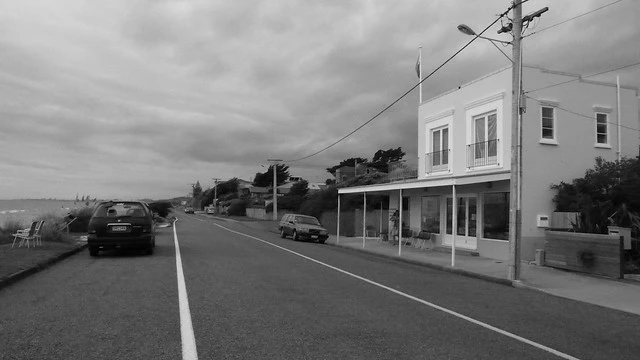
column 468, row 31
column 275, row 190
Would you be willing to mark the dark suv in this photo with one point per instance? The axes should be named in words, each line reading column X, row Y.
column 302, row 227
column 121, row 224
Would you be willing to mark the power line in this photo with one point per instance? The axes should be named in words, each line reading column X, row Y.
column 411, row 89
column 584, row 77
column 584, row 116
column 575, row 17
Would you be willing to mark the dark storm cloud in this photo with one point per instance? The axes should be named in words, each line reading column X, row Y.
column 188, row 89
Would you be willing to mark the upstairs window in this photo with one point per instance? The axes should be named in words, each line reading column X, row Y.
column 548, row 123
column 484, row 150
column 602, row 129
column 440, row 148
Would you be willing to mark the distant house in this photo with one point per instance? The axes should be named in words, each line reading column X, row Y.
column 258, row 192
column 244, row 188
column 285, row 188
column 313, row 187
column 345, row 173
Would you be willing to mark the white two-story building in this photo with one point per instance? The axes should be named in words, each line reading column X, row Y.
column 464, row 145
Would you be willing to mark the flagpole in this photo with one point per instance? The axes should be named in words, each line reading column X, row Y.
column 420, row 71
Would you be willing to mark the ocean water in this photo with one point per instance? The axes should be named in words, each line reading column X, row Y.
column 27, row 210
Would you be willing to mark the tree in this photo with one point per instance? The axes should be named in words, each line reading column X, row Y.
column 347, row 162
column 226, row 190
column 266, row 179
column 197, row 189
column 608, row 194
column 301, row 188
column 382, row 158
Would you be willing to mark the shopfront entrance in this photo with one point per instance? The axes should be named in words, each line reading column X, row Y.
column 467, row 219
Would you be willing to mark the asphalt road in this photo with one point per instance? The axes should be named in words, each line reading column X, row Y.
column 252, row 295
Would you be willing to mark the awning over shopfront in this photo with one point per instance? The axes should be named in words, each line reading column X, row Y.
column 431, row 182
column 449, row 181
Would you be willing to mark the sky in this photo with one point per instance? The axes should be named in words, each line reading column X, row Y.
column 134, row 99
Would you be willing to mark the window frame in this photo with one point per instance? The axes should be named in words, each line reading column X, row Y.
column 554, row 128
column 438, row 213
column 607, row 143
column 442, row 165
column 485, row 218
column 489, row 104
column 474, row 140
column 431, row 124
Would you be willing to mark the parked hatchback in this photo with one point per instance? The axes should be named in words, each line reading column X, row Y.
column 302, row 227
column 121, row 224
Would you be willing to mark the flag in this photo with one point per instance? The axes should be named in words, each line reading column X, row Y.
column 418, row 67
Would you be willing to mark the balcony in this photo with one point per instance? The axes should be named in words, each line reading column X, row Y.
column 482, row 154
column 400, row 170
column 437, row 161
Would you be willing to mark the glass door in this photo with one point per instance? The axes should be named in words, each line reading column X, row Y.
column 466, row 227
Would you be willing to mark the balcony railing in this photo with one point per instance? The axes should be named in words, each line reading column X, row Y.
column 482, row 153
column 437, row 161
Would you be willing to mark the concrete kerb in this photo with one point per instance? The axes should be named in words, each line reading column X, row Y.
column 10, row 279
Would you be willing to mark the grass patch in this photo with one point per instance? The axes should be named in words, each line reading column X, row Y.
column 52, row 230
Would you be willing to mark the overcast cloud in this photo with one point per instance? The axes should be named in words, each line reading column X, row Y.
column 138, row 99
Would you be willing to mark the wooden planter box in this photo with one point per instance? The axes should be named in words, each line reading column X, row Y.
column 588, row 253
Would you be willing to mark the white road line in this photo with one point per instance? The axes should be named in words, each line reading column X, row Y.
column 189, row 351
column 438, row 307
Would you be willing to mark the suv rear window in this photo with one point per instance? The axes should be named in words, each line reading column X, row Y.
column 119, row 209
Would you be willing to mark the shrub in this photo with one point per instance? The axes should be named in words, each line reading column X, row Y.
column 81, row 222
column 238, row 207
column 9, row 227
column 52, row 230
column 161, row 208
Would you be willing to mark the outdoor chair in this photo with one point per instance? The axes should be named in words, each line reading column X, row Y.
column 420, row 239
column 25, row 235
column 37, row 236
column 407, row 236
column 384, row 236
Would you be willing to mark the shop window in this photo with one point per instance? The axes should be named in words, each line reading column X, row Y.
column 496, row 216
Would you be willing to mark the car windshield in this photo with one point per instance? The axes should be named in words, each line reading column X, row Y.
column 307, row 220
column 120, row 210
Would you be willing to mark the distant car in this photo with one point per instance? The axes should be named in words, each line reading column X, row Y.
column 188, row 210
column 302, row 227
column 121, row 224
column 211, row 210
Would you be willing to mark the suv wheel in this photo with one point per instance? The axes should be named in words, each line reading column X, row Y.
column 295, row 235
column 282, row 234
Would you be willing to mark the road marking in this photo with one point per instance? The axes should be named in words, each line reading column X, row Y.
column 437, row 307
column 189, row 351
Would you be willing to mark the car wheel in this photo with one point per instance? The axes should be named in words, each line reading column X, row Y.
column 149, row 250
column 282, row 233
column 321, row 241
column 93, row 251
column 295, row 235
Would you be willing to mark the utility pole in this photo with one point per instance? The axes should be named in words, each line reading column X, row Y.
column 515, row 215
column 215, row 194
column 275, row 187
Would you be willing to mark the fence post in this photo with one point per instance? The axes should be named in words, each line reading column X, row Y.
column 621, row 257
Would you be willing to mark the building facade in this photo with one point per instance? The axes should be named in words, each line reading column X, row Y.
column 464, row 148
